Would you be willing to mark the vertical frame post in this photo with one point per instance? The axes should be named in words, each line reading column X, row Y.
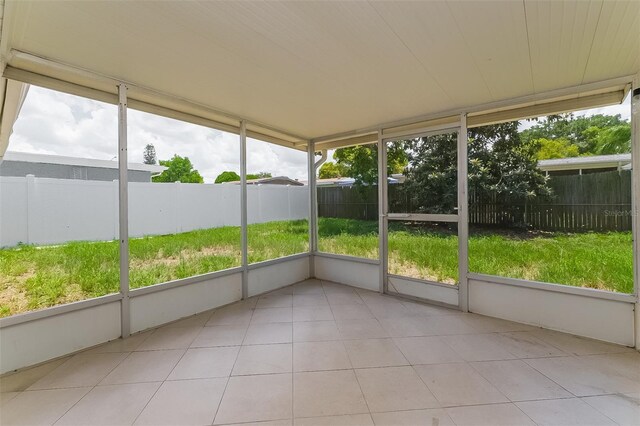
column 313, row 208
column 635, row 198
column 463, row 217
column 123, row 211
column 383, row 207
column 243, row 209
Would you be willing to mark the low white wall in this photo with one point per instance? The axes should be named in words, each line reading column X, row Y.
column 39, row 340
column 53, row 211
column 157, row 308
column 43, row 339
column 440, row 293
column 602, row 319
column 594, row 317
column 346, row 271
column 272, row 276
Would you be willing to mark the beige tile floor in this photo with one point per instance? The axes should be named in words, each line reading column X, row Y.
column 318, row 353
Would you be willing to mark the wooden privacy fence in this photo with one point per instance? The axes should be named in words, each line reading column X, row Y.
column 590, row 202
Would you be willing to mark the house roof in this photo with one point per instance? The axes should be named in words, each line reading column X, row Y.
column 281, row 66
column 586, row 162
column 275, row 180
column 75, row 161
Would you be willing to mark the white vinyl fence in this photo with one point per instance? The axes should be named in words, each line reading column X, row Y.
column 53, row 211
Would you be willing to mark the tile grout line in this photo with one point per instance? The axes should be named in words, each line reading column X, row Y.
column 169, row 374
column 90, row 390
column 234, row 365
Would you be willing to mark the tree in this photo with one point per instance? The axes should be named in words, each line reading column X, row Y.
column 259, row 175
column 502, row 169
column 179, row 169
column 150, row 154
column 332, row 170
column 227, row 176
column 361, row 162
column 555, row 148
column 613, row 140
column 593, row 135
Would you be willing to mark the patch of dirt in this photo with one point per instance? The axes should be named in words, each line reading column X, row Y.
column 13, row 293
column 73, row 293
column 410, row 270
column 185, row 255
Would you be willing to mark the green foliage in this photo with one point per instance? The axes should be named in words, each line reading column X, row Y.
column 592, row 135
column 596, row 260
column 150, row 154
column 361, row 162
column 613, row 140
column 555, row 148
column 39, row 277
column 332, row 170
column 179, row 169
column 259, row 175
column 227, row 176
column 501, row 166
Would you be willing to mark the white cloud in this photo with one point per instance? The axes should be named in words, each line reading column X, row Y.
column 61, row 124
column 56, row 123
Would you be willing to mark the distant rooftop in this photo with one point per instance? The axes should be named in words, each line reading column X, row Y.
column 587, row 162
column 275, row 180
column 76, row 161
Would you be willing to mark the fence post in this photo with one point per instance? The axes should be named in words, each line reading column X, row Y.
column 176, row 210
column 31, row 211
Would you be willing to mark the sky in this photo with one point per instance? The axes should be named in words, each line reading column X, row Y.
column 60, row 124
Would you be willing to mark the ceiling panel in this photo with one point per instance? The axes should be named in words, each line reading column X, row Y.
column 432, row 37
column 560, row 37
column 317, row 68
column 616, row 44
column 495, row 34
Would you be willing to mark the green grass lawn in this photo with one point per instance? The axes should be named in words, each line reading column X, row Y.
column 38, row 277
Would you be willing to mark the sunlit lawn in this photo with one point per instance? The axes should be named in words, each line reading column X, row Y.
column 38, row 277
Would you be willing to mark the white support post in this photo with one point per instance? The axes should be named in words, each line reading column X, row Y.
column 635, row 197
column 243, row 209
column 123, row 209
column 383, row 208
column 463, row 217
column 313, row 208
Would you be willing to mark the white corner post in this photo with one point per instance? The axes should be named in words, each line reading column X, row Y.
column 463, row 217
column 123, row 211
column 313, row 208
column 635, row 198
column 383, row 207
column 243, row 209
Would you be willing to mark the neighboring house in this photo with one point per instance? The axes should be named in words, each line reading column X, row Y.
column 21, row 164
column 347, row 181
column 276, row 180
column 586, row 164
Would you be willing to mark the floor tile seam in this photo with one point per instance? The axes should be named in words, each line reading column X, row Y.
column 92, row 387
column 539, row 340
column 226, row 384
column 364, row 397
column 596, row 408
column 547, row 376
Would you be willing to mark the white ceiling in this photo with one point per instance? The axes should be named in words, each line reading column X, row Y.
column 318, row 68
